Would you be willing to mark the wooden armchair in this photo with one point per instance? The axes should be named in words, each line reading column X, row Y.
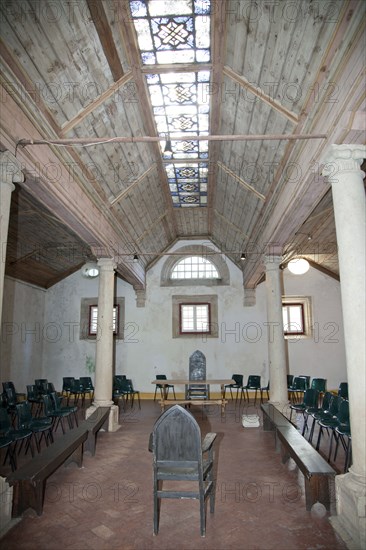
column 178, row 456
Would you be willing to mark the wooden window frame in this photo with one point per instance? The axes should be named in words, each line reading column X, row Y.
column 307, row 316
column 194, row 305
column 116, row 329
column 84, row 332
column 295, row 332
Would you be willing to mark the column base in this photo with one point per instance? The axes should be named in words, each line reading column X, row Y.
column 113, row 424
column 350, row 521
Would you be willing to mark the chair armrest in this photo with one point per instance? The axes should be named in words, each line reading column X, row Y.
column 151, row 443
column 208, row 441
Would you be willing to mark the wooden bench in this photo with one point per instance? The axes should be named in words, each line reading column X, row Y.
column 221, row 402
column 96, row 421
column 29, row 481
column 318, row 474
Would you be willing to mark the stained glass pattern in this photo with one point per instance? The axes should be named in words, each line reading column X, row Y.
column 170, row 32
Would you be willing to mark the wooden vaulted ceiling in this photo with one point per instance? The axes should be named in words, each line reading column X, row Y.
column 74, row 70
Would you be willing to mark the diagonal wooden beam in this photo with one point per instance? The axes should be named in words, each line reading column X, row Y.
column 106, row 38
column 130, row 187
column 232, row 225
column 94, row 104
column 258, row 92
column 241, row 181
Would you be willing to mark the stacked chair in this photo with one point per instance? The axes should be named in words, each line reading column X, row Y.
column 40, row 427
column 7, row 432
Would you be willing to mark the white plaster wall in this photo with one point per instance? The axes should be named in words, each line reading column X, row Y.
column 64, row 353
column 149, row 349
column 22, row 334
column 323, row 355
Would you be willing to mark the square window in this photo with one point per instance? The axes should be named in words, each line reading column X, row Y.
column 195, row 318
column 293, row 318
column 93, row 319
column 297, row 317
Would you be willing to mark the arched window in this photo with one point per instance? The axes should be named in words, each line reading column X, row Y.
column 194, row 267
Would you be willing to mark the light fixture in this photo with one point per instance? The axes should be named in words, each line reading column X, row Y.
column 168, row 147
column 243, row 256
column 135, row 258
column 298, row 266
column 90, row 270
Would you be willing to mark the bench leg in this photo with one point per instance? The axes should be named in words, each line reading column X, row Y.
column 26, row 495
column 267, row 424
column 317, row 490
column 76, row 456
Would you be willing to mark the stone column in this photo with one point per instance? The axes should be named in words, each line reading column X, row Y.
column 104, row 343
column 9, row 173
column 276, row 341
column 343, row 170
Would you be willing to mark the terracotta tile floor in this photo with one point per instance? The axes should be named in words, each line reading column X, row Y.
column 108, row 503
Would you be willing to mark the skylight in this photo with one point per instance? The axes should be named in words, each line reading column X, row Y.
column 171, row 32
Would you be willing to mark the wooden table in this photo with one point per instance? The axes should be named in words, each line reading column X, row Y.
column 179, row 382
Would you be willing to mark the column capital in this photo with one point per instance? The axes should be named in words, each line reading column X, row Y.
column 107, row 264
column 343, row 158
column 10, row 169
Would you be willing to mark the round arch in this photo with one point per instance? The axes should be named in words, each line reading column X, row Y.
column 195, row 250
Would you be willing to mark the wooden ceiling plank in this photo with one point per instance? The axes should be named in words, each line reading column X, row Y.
column 106, row 38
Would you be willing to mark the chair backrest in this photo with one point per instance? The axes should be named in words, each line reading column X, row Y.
column 55, row 401
column 290, row 379
column 299, row 383
column 86, row 382
column 66, row 383
column 24, row 414
column 41, row 385
column 32, row 392
column 319, row 384
column 307, row 380
column 334, row 405
column 9, row 386
column 254, row 381
column 5, row 423
column 238, row 379
column 311, row 397
column 48, row 406
column 11, row 398
column 326, row 401
column 197, row 366
column 161, row 377
column 343, row 390
column 343, row 412
column 50, row 387
column 177, row 440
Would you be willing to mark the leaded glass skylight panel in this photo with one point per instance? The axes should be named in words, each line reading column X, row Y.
column 188, row 183
column 178, row 31
column 172, row 31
